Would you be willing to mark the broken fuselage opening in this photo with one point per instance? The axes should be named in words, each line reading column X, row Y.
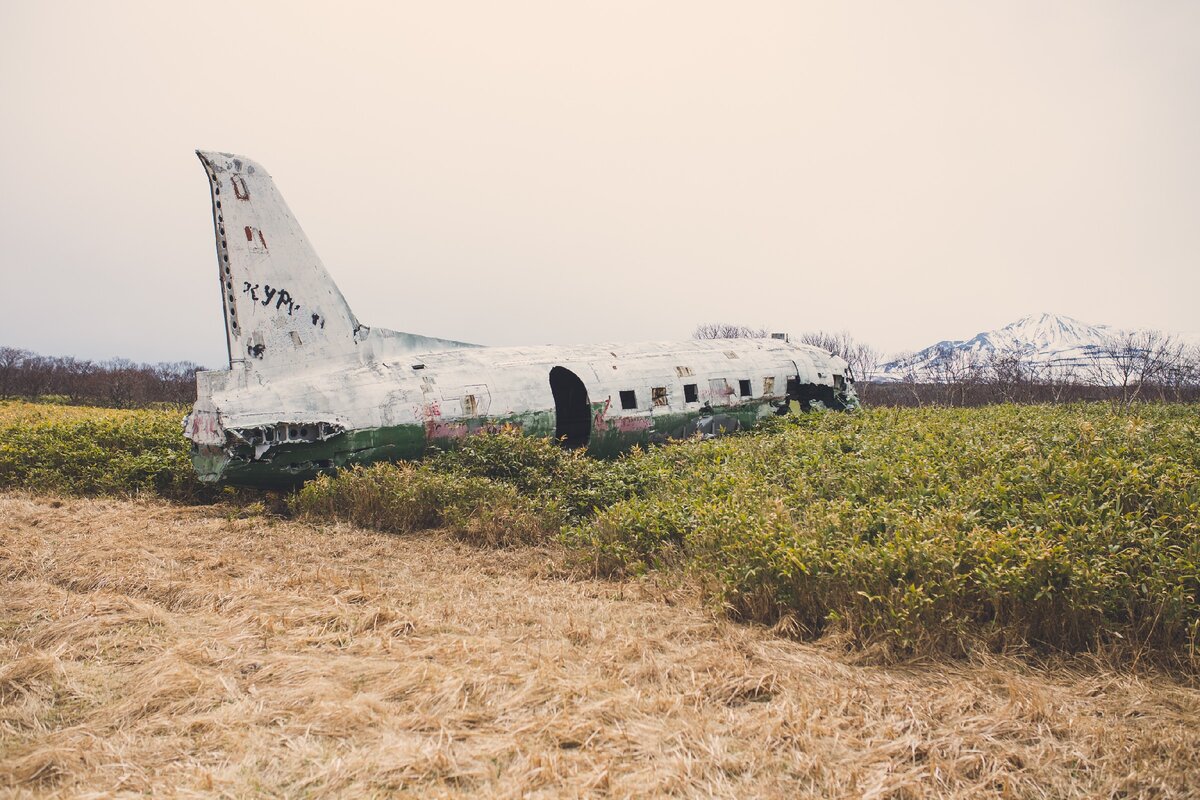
column 818, row 396
column 572, row 412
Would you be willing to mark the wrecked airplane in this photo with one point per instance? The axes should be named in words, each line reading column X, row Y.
column 309, row 388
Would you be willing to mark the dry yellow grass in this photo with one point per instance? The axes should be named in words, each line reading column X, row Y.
column 172, row 651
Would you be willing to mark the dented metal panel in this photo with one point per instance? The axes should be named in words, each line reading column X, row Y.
column 310, row 389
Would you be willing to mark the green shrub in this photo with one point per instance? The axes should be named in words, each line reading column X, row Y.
column 936, row 529
column 95, row 451
column 408, row 497
column 923, row 530
column 1062, row 528
column 542, row 471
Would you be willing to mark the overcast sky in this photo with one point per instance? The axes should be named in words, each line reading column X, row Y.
column 528, row 173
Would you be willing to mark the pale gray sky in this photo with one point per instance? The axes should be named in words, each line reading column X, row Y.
column 578, row 172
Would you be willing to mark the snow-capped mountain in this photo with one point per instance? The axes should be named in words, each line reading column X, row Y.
column 1044, row 340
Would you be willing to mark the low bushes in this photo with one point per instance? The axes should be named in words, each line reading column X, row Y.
column 1064, row 528
column 919, row 530
column 567, row 480
column 500, row 489
column 938, row 529
column 408, row 497
column 79, row 450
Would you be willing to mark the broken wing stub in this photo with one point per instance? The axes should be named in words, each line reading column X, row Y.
column 281, row 306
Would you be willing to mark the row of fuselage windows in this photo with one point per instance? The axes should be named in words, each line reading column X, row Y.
column 691, row 392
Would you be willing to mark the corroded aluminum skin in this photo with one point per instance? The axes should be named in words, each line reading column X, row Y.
column 304, row 374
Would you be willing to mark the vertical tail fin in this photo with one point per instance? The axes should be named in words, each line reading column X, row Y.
column 281, row 306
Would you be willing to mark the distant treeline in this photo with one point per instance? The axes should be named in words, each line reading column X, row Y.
column 116, row 383
column 983, row 390
column 1134, row 367
column 1126, row 368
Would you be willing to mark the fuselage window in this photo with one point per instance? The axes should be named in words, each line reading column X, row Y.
column 744, row 387
column 658, row 395
column 690, row 395
column 628, row 399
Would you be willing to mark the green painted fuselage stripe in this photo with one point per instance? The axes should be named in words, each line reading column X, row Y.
column 289, row 464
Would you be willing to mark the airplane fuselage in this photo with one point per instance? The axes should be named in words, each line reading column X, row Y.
column 280, row 431
column 309, row 388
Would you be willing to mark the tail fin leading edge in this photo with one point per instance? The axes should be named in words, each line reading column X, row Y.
column 281, row 306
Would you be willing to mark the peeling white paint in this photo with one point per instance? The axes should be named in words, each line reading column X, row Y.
column 282, row 310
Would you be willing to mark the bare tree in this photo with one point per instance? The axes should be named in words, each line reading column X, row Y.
column 1010, row 374
column 725, row 330
column 1182, row 373
column 11, row 359
column 911, row 375
column 958, row 373
column 1055, row 378
column 862, row 358
column 120, row 381
column 1135, row 362
column 35, row 377
column 74, row 378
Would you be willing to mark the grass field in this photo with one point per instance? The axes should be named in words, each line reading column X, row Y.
column 958, row 603
column 903, row 531
column 908, row 530
column 155, row 648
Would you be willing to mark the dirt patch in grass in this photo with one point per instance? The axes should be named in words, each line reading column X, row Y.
column 151, row 648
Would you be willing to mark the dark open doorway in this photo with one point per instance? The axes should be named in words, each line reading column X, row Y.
column 572, row 413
